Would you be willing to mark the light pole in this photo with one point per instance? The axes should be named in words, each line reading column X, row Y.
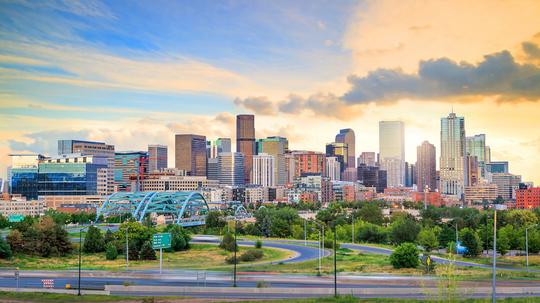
column 352, row 226
column 235, row 248
column 127, row 248
column 527, row 244
column 80, row 257
column 305, row 232
column 335, row 262
column 321, row 244
column 494, row 270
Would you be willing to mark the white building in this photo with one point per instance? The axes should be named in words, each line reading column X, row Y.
column 333, row 168
column 392, row 151
column 452, row 165
column 263, row 173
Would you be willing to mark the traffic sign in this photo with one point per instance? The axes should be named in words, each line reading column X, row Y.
column 15, row 218
column 162, row 240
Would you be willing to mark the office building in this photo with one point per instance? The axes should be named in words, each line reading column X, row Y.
column 290, row 167
column 507, row 184
column 426, row 167
column 130, row 167
column 368, row 158
column 372, row 176
column 472, row 170
column 309, row 162
column 528, row 197
column 190, row 154
column 333, row 169
column 452, row 159
column 220, row 145
column 392, row 151
column 476, row 147
column 212, row 169
column 264, row 166
column 479, row 193
column 177, row 183
column 157, row 157
column 340, row 152
column 231, row 169
column 245, row 142
column 346, row 136
column 497, row 167
column 73, row 174
column 21, row 206
column 276, row 147
column 410, row 174
column 23, row 176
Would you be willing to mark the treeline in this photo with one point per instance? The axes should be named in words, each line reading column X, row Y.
column 429, row 230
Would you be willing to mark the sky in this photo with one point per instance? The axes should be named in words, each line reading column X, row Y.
column 133, row 73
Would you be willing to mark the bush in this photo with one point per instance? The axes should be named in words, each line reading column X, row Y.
column 179, row 237
column 251, row 255
column 109, row 236
column 228, row 243
column 405, row 256
column 258, row 244
column 93, row 242
column 110, row 252
column 404, row 230
column 147, row 252
column 329, row 243
column 372, row 233
column 472, row 242
column 5, row 250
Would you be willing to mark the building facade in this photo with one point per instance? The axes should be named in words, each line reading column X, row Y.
column 476, row 147
column 481, row 192
column 157, row 157
column 231, row 169
column 426, row 167
column 177, row 183
column 245, row 142
column 190, row 154
column 347, row 137
column 368, row 158
column 507, row 184
column 264, row 167
column 129, row 166
column 309, row 162
column 392, row 151
column 452, row 160
column 23, row 176
column 277, row 147
column 528, row 197
column 333, row 169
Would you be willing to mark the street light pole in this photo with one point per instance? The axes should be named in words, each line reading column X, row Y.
column 305, row 232
column 494, row 270
column 80, row 257
column 127, row 248
column 352, row 226
column 527, row 245
column 335, row 263
column 235, row 248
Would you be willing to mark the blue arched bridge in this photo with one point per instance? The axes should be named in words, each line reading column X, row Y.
column 186, row 208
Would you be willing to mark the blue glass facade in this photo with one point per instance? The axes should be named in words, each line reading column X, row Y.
column 24, row 181
column 68, row 178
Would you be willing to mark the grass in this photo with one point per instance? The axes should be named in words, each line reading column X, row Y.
column 57, row 297
column 200, row 256
column 349, row 299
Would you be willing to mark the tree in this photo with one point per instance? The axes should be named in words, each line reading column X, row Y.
column 368, row 232
column 430, row 216
column 179, row 237
column 111, row 253
column 58, row 217
column 503, row 242
column 4, row 222
column 147, row 252
column 109, row 236
column 93, row 242
column 215, row 219
column 5, row 250
column 405, row 256
column 15, row 240
column 405, row 229
column 228, row 243
column 470, row 239
column 446, row 235
column 371, row 213
column 428, row 239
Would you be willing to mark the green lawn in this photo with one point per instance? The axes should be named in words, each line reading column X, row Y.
column 61, row 298
column 200, row 256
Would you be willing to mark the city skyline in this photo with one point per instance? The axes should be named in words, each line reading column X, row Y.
column 303, row 74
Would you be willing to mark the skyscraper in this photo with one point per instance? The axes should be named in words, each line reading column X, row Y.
column 368, row 158
column 452, row 161
column 333, row 169
column 157, row 157
column 231, row 169
column 476, row 147
column 190, row 154
column 309, row 162
column 130, row 166
column 507, row 184
column 277, row 147
column 347, row 136
column 426, row 167
column 245, row 142
column 264, row 166
column 340, row 151
column 220, row 145
column 23, row 176
column 392, row 151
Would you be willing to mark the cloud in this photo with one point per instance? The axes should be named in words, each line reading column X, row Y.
column 45, row 141
column 531, row 50
column 86, row 8
column 258, row 105
column 498, row 74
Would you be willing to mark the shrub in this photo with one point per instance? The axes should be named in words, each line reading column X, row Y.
column 228, row 243
column 251, row 255
column 472, row 242
column 93, row 242
column 110, row 252
column 179, row 237
column 258, row 244
column 109, row 236
column 230, row 260
column 147, row 252
column 5, row 250
column 405, row 256
column 329, row 243
column 372, row 233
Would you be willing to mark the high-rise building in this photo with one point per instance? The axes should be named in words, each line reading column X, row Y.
column 264, row 166
column 368, row 158
column 130, row 166
column 212, row 169
column 333, row 169
column 497, row 167
column 245, row 142
column 23, row 176
column 340, row 151
column 347, row 136
column 70, row 175
column 480, row 192
column 92, row 148
column 220, row 145
column 372, row 176
column 410, row 174
column 290, row 167
column 452, row 161
column 190, row 154
column 277, row 147
column 528, row 197
column 157, row 157
column 507, row 184
column 426, row 167
column 392, row 151
column 476, row 147
column 309, row 162
column 231, row 169
column 472, row 170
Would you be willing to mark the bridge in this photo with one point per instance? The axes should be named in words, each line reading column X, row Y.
column 187, row 208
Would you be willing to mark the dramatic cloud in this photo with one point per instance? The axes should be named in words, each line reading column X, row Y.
column 258, row 105
column 531, row 50
column 45, row 142
column 497, row 75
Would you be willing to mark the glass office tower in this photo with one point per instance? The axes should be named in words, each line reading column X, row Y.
column 23, row 178
column 452, row 168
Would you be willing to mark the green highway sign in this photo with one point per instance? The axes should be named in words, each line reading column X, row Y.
column 15, row 218
column 162, row 240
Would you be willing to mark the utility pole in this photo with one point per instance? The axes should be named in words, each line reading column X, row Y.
column 527, row 244
column 494, row 277
column 235, row 249
column 335, row 263
column 127, row 248
column 305, row 232
column 80, row 257
column 352, row 226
